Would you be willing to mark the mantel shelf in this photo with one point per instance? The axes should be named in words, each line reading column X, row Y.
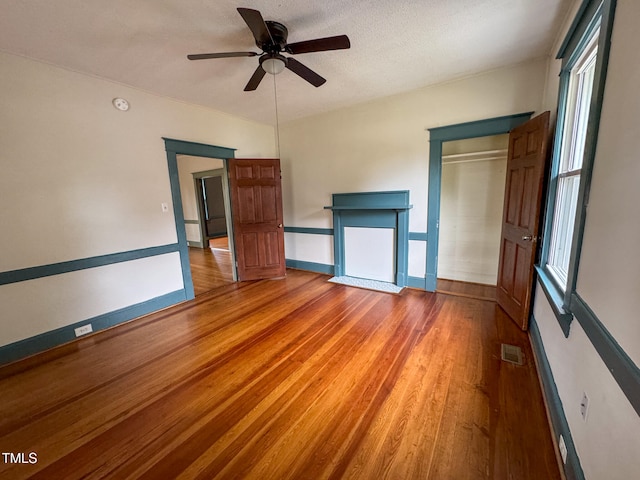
column 372, row 207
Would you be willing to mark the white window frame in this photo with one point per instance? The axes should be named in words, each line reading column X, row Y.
column 576, row 116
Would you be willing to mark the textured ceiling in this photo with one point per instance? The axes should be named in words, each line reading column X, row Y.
column 396, row 46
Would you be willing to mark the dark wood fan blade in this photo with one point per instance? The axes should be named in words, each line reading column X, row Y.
column 255, row 22
column 255, row 79
column 305, row 72
column 340, row 42
column 204, row 56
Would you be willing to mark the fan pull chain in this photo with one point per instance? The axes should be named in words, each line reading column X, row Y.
column 275, row 96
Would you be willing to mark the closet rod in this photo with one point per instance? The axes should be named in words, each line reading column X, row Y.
column 499, row 153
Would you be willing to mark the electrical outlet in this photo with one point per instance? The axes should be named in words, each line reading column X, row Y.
column 584, row 406
column 83, row 330
column 563, row 449
column 165, row 207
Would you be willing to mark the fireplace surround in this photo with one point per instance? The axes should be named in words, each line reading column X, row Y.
column 372, row 210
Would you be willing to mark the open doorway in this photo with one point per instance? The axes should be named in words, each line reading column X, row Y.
column 471, row 204
column 438, row 136
column 213, row 203
column 206, row 212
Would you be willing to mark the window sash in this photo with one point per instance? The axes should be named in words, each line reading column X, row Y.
column 576, row 118
column 578, row 106
column 562, row 231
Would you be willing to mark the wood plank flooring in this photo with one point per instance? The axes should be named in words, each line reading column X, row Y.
column 210, row 268
column 221, row 243
column 294, row 378
column 466, row 289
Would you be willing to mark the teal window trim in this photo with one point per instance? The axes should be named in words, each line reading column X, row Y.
column 438, row 135
column 592, row 13
column 588, row 10
column 174, row 148
column 555, row 296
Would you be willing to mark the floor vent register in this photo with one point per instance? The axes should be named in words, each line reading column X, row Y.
column 512, row 354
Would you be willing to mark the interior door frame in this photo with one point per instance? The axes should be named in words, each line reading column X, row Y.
column 174, row 148
column 218, row 172
column 437, row 136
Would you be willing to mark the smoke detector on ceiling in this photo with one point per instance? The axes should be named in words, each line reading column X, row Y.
column 120, row 104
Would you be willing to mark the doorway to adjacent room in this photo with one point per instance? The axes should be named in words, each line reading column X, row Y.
column 207, row 218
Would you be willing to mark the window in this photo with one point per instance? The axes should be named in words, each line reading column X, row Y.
column 570, row 162
column 584, row 54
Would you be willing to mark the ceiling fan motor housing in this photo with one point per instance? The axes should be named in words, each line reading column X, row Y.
column 278, row 40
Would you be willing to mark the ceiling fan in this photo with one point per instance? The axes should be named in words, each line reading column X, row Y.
column 271, row 38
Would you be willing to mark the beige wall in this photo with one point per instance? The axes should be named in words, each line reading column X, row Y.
column 384, row 145
column 82, row 179
column 612, row 233
column 608, row 280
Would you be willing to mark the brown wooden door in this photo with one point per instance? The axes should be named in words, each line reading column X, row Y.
column 526, row 166
column 256, row 202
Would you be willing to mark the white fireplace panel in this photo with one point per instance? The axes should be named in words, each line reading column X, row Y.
column 370, row 253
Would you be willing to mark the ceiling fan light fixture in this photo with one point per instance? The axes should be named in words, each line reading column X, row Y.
column 273, row 65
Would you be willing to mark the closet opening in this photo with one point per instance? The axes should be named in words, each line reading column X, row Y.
column 471, row 206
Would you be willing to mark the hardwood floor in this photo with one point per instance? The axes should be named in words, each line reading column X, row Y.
column 210, row 268
column 466, row 289
column 293, row 378
column 221, row 243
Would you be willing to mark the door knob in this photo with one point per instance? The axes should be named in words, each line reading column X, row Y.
column 527, row 238
column 279, row 225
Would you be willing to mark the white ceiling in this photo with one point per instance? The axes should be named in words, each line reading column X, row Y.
column 396, row 46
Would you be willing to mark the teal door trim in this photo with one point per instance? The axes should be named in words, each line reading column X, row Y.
column 438, row 135
column 174, row 148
